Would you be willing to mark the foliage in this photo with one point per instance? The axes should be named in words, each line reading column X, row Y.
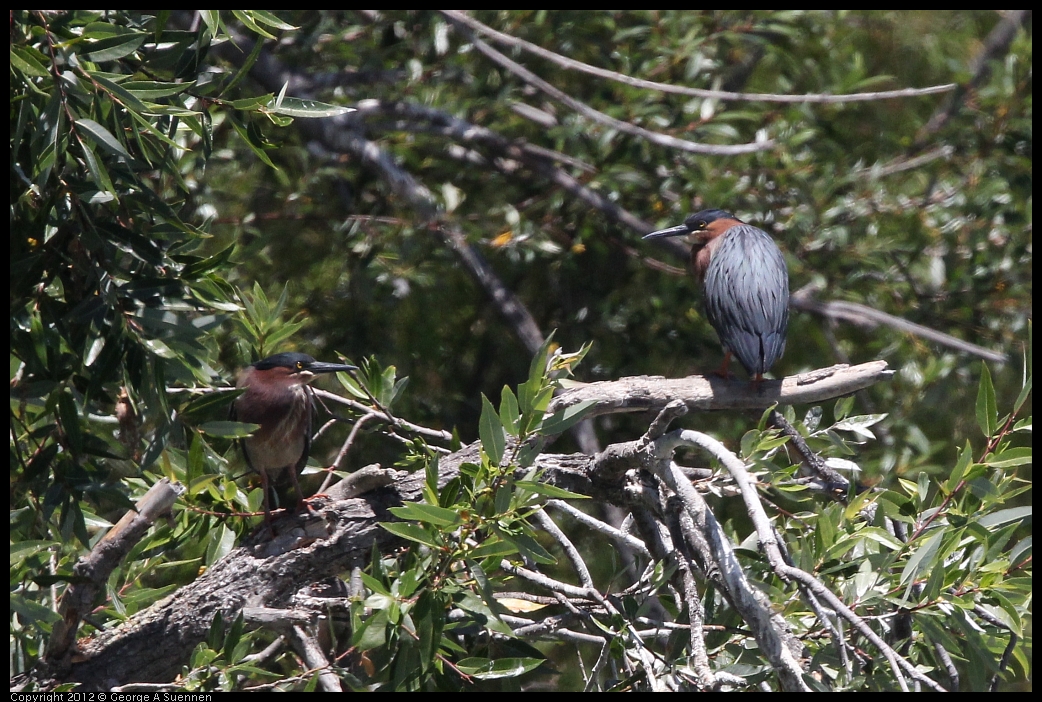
column 112, row 298
column 425, row 604
column 181, row 205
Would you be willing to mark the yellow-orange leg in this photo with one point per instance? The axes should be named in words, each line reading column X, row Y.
column 722, row 370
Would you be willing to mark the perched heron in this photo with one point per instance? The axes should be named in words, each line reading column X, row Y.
column 278, row 398
column 745, row 286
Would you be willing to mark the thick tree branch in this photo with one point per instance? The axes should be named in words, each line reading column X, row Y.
column 652, row 393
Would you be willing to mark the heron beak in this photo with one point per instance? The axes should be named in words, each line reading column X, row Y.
column 321, row 367
column 672, row 231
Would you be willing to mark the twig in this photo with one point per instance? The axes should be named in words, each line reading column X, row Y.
column 597, row 525
column 551, row 528
column 359, row 423
column 544, row 581
column 815, row 464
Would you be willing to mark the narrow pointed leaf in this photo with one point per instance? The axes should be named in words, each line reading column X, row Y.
column 490, row 429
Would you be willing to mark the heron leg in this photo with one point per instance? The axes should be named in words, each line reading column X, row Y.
column 722, row 370
column 300, row 493
column 267, row 502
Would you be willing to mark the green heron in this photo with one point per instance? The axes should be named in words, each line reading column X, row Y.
column 278, row 398
column 745, row 286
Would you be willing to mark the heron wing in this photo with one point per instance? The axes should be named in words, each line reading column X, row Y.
column 747, row 297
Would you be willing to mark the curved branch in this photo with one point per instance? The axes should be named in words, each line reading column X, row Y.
column 766, row 534
column 572, row 64
column 597, row 116
column 855, row 313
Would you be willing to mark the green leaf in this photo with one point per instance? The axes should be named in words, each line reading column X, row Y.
column 297, row 107
column 529, row 390
column 212, row 19
column 1024, row 392
column 987, row 412
column 374, row 584
column 560, row 422
column 539, row 401
column 151, row 90
column 487, row 669
column 490, row 429
column 412, row 532
column 257, row 150
column 246, row 18
column 102, row 137
column 24, row 549
column 492, row 547
column 508, row 411
column 228, row 430
column 843, row 407
column 116, row 47
column 430, row 484
column 965, row 459
column 860, row 424
column 253, row 103
column 120, row 93
column 429, row 514
column 220, row 543
column 28, row 61
column 265, row 17
column 98, row 173
column 1006, row 516
column 1009, row 458
column 923, row 558
column 532, row 549
column 548, row 490
column 234, row 635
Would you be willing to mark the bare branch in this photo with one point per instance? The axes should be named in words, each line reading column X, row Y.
column 770, row 630
column 572, row 64
column 812, row 462
column 551, row 528
column 597, row 525
column 863, row 315
column 93, row 570
column 769, row 542
column 316, row 660
column 544, row 581
column 439, row 122
column 651, row 393
column 601, row 118
column 904, row 163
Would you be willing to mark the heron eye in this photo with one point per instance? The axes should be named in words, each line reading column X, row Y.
column 300, row 365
